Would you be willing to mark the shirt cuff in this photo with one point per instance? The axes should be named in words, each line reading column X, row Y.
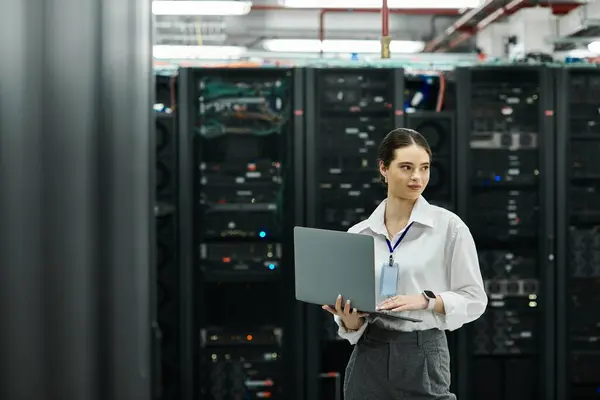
column 352, row 336
column 455, row 308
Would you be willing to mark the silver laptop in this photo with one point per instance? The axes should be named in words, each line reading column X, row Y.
column 329, row 263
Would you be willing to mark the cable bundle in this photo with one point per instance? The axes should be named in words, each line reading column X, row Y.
column 242, row 108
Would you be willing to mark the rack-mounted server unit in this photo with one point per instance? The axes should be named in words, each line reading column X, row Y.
column 578, row 233
column 244, row 151
column 349, row 111
column 166, row 332
column 505, row 195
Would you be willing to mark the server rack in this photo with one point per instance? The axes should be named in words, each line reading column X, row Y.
column 578, row 238
column 166, row 344
column 241, row 338
column 439, row 128
column 348, row 112
column 506, row 195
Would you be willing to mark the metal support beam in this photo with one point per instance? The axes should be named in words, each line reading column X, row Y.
column 586, row 16
column 477, row 19
column 75, row 207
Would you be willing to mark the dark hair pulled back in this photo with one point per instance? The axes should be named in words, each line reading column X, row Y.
column 398, row 139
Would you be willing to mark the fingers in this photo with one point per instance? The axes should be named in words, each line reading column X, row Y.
column 347, row 309
column 405, row 307
column 329, row 309
column 338, row 304
column 358, row 314
column 392, row 302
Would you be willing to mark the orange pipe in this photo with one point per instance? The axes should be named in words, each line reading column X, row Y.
column 441, row 92
column 385, row 19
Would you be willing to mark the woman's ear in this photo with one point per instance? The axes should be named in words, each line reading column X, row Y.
column 382, row 170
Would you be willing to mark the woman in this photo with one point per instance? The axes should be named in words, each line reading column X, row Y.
column 426, row 268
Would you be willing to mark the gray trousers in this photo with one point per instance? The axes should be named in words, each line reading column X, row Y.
column 387, row 365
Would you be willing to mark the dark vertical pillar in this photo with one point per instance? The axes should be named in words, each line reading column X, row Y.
column 75, row 199
column 125, row 145
column 20, row 200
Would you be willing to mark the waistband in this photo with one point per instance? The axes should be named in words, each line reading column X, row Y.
column 378, row 334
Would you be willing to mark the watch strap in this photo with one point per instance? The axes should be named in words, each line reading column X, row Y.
column 431, row 300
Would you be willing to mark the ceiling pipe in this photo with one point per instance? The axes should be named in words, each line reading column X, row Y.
column 494, row 16
column 464, row 25
column 557, row 9
column 404, row 11
column 324, row 11
column 409, row 11
column 459, row 25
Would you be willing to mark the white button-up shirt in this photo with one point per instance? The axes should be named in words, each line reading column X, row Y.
column 438, row 254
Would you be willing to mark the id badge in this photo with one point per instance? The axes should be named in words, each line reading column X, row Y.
column 389, row 280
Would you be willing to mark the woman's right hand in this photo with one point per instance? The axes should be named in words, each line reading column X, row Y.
column 351, row 318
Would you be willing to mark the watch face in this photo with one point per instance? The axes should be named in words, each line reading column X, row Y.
column 429, row 294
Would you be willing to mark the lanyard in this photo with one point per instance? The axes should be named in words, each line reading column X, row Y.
column 392, row 249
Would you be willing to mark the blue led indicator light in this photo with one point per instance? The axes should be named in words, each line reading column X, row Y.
column 262, row 234
column 497, row 178
column 271, row 266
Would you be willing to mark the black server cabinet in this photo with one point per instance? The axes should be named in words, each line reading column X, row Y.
column 349, row 111
column 578, row 233
column 243, row 179
column 166, row 349
column 505, row 180
column 439, row 130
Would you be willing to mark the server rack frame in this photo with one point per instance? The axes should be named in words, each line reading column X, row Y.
column 186, row 231
column 155, row 338
column 546, row 230
column 187, row 97
column 157, row 333
column 563, row 145
column 313, row 320
column 562, row 142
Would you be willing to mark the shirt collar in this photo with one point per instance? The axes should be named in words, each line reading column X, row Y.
column 421, row 214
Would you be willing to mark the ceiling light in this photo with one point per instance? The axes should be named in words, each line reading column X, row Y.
column 163, row 52
column 423, row 4
column 292, row 45
column 594, row 47
column 340, row 46
column 189, row 7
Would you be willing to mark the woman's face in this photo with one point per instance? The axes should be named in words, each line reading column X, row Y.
column 408, row 173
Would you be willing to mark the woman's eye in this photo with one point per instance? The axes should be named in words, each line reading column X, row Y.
column 426, row 168
column 405, row 167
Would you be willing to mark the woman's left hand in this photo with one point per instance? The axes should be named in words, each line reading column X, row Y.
column 404, row 303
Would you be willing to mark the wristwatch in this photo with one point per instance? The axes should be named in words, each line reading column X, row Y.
column 430, row 296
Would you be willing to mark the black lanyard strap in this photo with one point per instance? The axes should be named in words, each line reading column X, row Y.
column 392, row 249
